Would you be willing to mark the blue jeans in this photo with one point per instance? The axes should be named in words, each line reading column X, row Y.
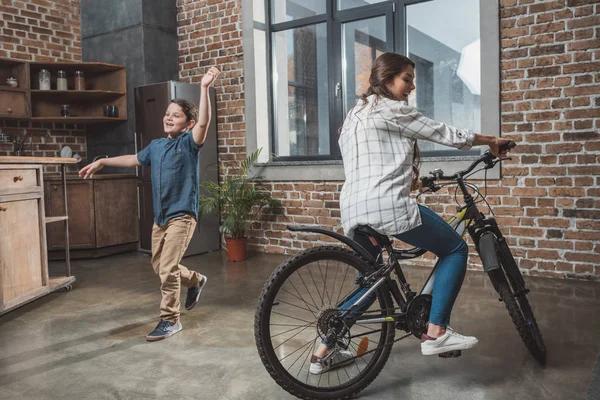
column 437, row 236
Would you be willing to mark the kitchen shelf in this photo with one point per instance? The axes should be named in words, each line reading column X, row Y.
column 13, row 89
column 105, row 85
column 77, row 120
column 50, row 220
column 76, row 94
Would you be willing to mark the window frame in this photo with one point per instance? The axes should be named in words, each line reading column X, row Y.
column 328, row 167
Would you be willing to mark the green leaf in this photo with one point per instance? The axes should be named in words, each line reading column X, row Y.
column 238, row 199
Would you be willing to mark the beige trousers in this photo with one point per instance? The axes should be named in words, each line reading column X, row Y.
column 169, row 242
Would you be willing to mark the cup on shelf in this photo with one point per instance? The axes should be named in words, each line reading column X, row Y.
column 111, row 111
column 79, row 80
column 44, row 79
column 61, row 80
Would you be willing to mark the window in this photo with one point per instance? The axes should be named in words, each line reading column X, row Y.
column 311, row 60
column 446, row 54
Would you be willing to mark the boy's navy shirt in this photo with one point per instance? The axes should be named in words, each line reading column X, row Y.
column 174, row 176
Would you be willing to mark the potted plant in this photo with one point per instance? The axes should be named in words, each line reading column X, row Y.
column 239, row 199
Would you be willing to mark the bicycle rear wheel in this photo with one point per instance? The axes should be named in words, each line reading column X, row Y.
column 521, row 314
column 298, row 305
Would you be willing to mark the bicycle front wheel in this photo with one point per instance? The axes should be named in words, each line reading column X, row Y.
column 522, row 316
column 299, row 305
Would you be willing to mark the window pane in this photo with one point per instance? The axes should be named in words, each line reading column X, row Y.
column 447, row 61
column 289, row 10
column 346, row 4
column 258, row 10
column 363, row 42
column 260, row 88
column 301, row 91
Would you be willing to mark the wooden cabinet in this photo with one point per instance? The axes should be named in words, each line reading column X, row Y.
column 103, row 215
column 105, row 85
column 23, row 257
column 22, row 215
column 14, row 101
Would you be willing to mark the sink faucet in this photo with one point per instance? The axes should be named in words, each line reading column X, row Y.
column 18, row 146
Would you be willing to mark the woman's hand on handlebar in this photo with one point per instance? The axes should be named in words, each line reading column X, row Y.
column 498, row 147
column 501, row 147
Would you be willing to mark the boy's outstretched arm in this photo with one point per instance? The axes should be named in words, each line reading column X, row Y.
column 121, row 161
column 199, row 130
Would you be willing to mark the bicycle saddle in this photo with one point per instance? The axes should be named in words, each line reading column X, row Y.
column 382, row 240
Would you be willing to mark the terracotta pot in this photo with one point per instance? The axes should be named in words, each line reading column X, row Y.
column 236, row 249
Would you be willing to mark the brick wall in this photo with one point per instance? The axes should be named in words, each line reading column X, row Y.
column 548, row 202
column 550, row 66
column 45, row 31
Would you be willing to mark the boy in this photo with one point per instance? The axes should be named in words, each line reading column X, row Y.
column 174, row 161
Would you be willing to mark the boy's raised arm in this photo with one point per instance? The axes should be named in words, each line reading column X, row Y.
column 199, row 130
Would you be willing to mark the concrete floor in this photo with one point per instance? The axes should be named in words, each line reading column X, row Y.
column 89, row 343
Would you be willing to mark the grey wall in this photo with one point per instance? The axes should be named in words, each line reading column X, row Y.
column 142, row 36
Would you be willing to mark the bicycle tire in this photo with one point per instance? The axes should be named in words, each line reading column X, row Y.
column 262, row 327
column 522, row 316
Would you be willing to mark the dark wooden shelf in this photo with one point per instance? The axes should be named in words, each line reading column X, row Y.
column 77, row 120
column 12, row 89
column 76, row 94
column 91, row 67
column 50, row 220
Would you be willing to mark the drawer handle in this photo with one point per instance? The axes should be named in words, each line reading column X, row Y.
column 9, row 110
column 3, row 208
column 18, row 178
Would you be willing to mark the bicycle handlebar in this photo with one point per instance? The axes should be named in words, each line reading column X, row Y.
column 487, row 157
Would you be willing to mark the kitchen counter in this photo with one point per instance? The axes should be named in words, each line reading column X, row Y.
column 23, row 252
column 96, row 177
column 36, row 160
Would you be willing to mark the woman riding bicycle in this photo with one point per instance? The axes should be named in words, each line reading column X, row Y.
column 378, row 142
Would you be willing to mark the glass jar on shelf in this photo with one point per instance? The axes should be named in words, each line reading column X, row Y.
column 79, row 80
column 44, row 79
column 61, row 80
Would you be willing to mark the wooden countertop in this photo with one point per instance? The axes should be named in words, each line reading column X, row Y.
column 36, row 160
column 95, row 177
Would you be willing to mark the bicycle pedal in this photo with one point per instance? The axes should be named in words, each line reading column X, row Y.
column 451, row 354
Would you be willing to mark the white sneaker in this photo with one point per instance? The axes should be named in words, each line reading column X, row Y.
column 448, row 342
column 322, row 365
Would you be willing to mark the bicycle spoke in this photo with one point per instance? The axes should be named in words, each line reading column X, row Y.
column 316, row 287
column 293, row 329
column 295, row 361
column 341, row 287
column 293, row 305
column 306, row 287
column 305, row 344
column 275, row 312
column 325, row 295
column 312, row 351
column 300, row 298
column 281, row 344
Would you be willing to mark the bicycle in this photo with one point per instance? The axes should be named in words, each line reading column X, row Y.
column 291, row 319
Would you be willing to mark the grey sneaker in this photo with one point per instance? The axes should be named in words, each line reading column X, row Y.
column 322, row 365
column 163, row 330
column 193, row 294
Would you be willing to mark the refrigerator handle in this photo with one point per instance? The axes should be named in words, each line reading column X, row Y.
column 136, row 149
